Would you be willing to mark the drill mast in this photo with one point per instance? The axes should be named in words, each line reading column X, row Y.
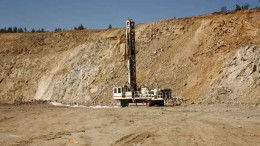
column 130, row 54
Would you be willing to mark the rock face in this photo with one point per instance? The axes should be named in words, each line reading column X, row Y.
column 239, row 78
column 212, row 58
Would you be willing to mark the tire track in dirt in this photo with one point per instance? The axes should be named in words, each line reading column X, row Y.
column 48, row 137
column 134, row 126
column 136, row 137
column 154, row 135
column 192, row 128
column 231, row 135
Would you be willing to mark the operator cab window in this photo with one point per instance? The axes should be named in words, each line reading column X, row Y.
column 119, row 90
column 115, row 90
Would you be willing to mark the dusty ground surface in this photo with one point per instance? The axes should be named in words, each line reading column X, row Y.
column 140, row 126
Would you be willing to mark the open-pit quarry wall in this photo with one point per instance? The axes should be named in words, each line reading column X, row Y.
column 205, row 59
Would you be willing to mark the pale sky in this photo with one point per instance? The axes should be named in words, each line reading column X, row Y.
column 95, row 14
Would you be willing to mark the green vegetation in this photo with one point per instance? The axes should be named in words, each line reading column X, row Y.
column 246, row 6
column 33, row 30
column 243, row 7
column 109, row 26
column 256, row 8
column 19, row 30
column 57, row 29
column 223, row 9
column 80, row 27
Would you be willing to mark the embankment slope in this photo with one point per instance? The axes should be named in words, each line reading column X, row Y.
column 204, row 59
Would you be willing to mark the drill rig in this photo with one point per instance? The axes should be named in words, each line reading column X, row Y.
column 130, row 93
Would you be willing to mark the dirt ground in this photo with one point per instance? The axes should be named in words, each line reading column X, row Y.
column 135, row 126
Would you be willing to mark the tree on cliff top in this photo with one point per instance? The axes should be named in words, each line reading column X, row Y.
column 80, row 27
column 109, row 26
column 223, row 9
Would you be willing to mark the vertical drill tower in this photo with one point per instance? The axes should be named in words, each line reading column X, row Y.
column 130, row 54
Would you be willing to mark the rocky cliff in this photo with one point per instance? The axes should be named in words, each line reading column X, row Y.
column 205, row 59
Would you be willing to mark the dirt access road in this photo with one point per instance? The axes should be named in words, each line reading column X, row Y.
column 134, row 126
